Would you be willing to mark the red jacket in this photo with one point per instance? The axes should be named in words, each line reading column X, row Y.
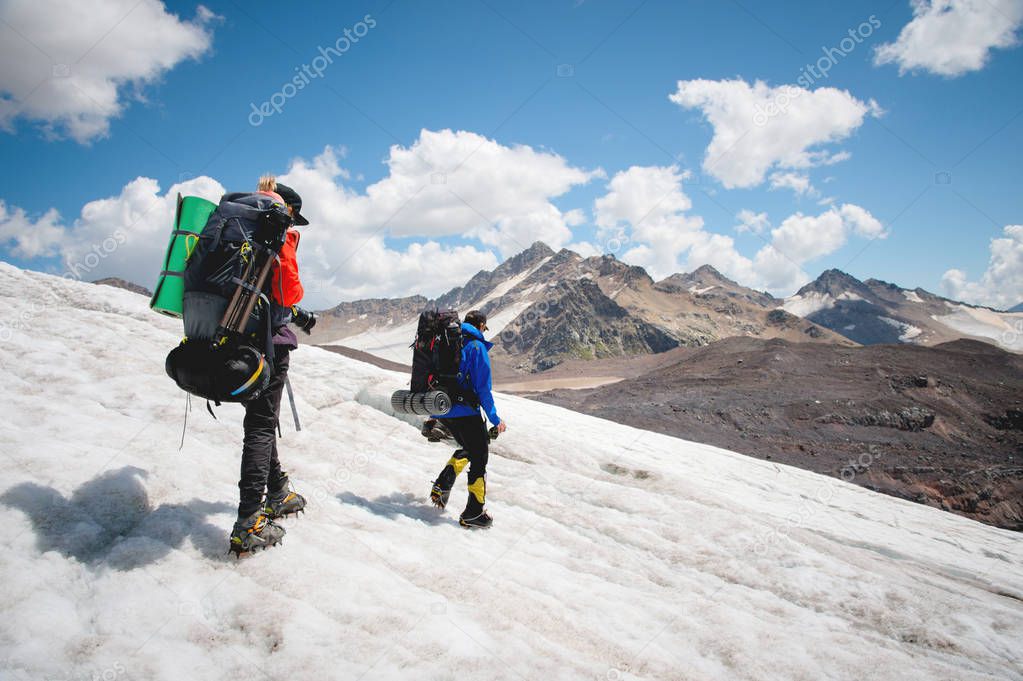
column 287, row 287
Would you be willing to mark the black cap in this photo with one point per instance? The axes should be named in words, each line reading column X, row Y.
column 292, row 198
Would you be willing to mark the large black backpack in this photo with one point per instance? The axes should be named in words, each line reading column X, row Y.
column 227, row 353
column 436, row 360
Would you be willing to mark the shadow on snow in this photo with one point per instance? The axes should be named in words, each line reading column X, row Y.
column 109, row 520
column 398, row 504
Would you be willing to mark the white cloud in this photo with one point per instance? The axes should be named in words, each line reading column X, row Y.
column 1001, row 285
column 797, row 182
column 802, row 238
column 371, row 269
column 758, row 128
column 749, row 221
column 953, row 37
column 139, row 220
column 862, row 222
column 585, row 248
column 126, row 235
column 68, row 64
column 28, row 238
column 647, row 209
column 447, row 184
column 651, row 202
column 806, row 237
column 575, row 217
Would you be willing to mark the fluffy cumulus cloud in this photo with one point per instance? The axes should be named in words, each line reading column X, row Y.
column 647, row 210
column 452, row 183
column 754, row 223
column 953, row 37
column 1001, row 285
column 71, row 65
column 645, row 213
column 30, row 238
column 123, row 235
column 447, row 184
column 758, row 128
column 797, row 182
column 800, row 239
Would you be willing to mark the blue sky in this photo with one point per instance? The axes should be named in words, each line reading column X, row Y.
column 588, row 82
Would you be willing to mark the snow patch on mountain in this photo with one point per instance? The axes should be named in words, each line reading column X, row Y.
column 804, row 305
column 1004, row 328
column 505, row 286
column 907, row 332
column 912, row 296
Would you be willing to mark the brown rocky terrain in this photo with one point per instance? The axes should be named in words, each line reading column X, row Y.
column 938, row 425
column 117, row 282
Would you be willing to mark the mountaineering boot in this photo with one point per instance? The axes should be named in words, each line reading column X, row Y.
column 285, row 502
column 479, row 522
column 446, row 480
column 256, row 532
column 474, row 515
column 439, row 495
column 434, row 430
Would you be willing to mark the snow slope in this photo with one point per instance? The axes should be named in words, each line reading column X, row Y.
column 616, row 553
column 1004, row 328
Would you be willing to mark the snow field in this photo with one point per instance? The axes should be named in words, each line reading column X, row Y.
column 616, row 553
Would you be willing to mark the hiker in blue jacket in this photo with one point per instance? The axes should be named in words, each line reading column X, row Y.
column 468, row 427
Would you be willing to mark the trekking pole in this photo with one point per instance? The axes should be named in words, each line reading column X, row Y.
column 244, row 299
column 267, row 245
column 291, row 399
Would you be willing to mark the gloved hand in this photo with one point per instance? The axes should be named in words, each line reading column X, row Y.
column 303, row 319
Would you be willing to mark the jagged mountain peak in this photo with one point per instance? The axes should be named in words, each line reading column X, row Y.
column 608, row 265
column 835, row 282
column 526, row 259
column 702, row 276
column 709, row 271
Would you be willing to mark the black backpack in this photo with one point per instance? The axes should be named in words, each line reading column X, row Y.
column 437, row 354
column 227, row 311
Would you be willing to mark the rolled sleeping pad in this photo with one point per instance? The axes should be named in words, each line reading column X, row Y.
column 192, row 215
column 433, row 403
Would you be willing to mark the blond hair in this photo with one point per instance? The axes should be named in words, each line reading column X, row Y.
column 267, row 183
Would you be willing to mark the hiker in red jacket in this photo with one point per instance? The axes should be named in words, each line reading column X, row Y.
column 261, row 469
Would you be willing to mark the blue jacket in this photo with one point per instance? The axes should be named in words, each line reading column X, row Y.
column 474, row 373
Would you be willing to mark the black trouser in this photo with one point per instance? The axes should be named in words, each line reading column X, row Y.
column 470, row 432
column 261, row 470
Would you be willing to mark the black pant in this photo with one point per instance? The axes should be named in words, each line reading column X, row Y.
column 470, row 432
column 261, row 470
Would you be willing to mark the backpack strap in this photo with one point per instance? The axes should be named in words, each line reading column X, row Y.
column 219, row 230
